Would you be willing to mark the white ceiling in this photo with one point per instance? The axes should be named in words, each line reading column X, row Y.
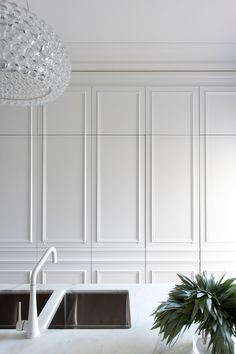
column 143, row 35
column 139, row 20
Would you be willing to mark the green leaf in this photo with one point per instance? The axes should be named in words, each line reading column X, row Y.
column 209, row 304
column 200, row 294
column 205, row 301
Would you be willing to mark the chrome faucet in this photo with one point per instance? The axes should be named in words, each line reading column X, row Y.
column 32, row 325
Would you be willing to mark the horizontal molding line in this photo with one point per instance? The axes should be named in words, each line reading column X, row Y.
column 219, row 251
column 66, row 242
column 143, row 249
column 152, row 56
column 26, row 243
column 219, row 261
column 118, row 249
column 71, row 250
column 171, row 241
column 177, row 249
column 69, row 261
column 18, row 261
column 119, row 260
column 148, row 261
column 172, row 261
column 118, row 135
column 16, row 249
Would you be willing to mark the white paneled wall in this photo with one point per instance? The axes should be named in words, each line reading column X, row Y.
column 64, row 172
column 125, row 176
column 218, row 157
column 119, row 191
column 118, row 180
column 15, row 196
column 118, row 110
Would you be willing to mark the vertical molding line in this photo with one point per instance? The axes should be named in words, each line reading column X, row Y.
column 145, row 185
column 97, row 187
column 31, row 153
column 44, row 172
column 192, row 171
column 199, row 180
column 138, row 107
column 138, row 169
column 84, row 177
column 139, row 188
column 97, row 180
column 151, row 168
column 205, row 172
column 91, row 205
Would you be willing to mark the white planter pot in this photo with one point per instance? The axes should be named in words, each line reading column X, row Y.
column 199, row 347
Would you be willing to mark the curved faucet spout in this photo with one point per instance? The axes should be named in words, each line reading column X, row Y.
column 41, row 263
column 32, row 329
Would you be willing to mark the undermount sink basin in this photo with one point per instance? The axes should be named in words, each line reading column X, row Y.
column 93, row 310
column 9, row 304
column 77, row 310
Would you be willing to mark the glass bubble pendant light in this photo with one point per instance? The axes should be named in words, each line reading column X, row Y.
column 34, row 64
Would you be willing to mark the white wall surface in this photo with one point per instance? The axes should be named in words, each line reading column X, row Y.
column 125, row 176
column 140, row 20
column 144, row 34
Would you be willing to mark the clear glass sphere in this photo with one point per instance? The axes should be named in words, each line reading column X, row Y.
column 34, row 64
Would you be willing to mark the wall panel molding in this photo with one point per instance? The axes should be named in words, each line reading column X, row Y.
column 14, row 276
column 191, row 240
column 70, row 114
column 28, row 143
column 172, row 120
column 97, row 254
column 86, row 151
column 169, row 275
column 121, row 124
column 217, row 172
column 155, row 79
column 124, row 273
column 99, row 239
column 17, row 120
column 72, row 276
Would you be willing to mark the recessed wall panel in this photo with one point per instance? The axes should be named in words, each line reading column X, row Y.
column 171, row 189
column 118, row 111
column 220, row 111
column 15, row 185
column 119, row 187
column 70, row 113
column 14, row 120
column 118, row 276
column 220, row 202
column 64, row 277
column 14, row 276
column 169, row 276
column 171, row 112
column 64, row 189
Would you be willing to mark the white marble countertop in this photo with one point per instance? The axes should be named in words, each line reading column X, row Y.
column 139, row 339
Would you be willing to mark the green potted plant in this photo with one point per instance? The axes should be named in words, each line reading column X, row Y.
column 205, row 302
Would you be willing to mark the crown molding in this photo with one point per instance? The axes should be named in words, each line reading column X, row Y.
column 152, row 56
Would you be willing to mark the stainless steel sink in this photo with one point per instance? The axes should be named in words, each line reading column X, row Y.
column 9, row 304
column 93, row 310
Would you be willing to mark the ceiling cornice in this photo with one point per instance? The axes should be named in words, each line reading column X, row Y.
column 103, row 56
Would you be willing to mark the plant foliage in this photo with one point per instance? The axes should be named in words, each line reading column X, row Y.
column 209, row 303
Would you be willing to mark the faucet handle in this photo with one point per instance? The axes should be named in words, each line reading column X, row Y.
column 20, row 324
column 19, row 311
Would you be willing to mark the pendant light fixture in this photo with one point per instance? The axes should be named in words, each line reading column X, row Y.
column 34, row 64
